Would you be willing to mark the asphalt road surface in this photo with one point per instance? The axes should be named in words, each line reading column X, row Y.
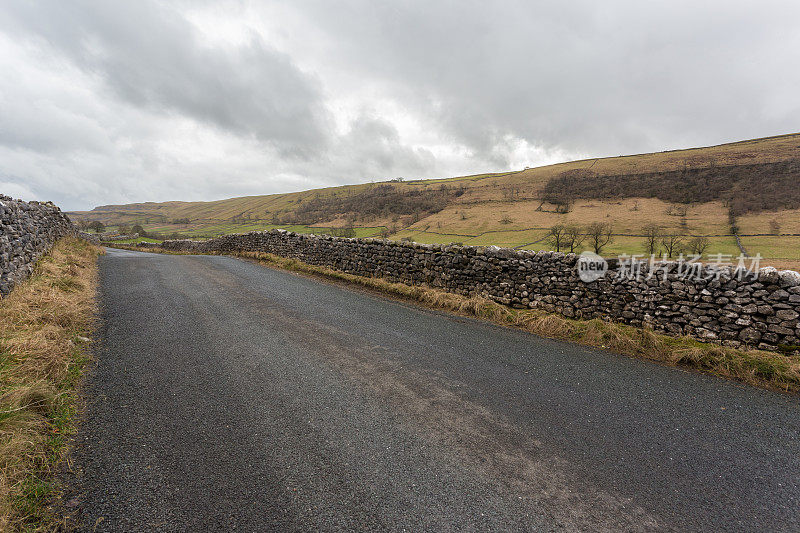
column 230, row 396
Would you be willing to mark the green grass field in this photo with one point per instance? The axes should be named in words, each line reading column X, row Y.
column 782, row 250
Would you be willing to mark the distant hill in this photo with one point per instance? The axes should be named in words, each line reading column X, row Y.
column 750, row 188
column 751, row 184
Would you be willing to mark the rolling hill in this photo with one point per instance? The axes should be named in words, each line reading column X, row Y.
column 750, row 187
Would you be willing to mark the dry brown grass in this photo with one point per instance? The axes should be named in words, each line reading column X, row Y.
column 44, row 325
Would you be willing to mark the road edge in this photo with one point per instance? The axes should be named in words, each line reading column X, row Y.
column 768, row 370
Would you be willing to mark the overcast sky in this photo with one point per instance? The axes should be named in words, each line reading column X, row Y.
column 113, row 102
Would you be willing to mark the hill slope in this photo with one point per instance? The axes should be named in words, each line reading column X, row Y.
column 700, row 191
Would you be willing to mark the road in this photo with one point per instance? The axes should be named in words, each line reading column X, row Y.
column 231, row 396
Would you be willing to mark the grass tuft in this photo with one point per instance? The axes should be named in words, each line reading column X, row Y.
column 41, row 360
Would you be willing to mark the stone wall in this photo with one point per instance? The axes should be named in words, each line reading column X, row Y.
column 717, row 304
column 91, row 237
column 27, row 231
column 111, row 237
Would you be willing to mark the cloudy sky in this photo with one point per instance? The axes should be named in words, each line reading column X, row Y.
column 121, row 101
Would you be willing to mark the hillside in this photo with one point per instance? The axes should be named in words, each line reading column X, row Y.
column 750, row 185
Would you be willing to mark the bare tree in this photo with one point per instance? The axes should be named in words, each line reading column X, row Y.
column 774, row 227
column 672, row 244
column 573, row 238
column 599, row 234
column 97, row 226
column 652, row 235
column 556, row 236
column 698, row 245
column 564, row 204
column 348, row 230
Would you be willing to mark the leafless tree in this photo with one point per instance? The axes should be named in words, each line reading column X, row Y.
column 599, row 234
column 97, row 226
column 573, row 238
column 672, row 244
column 774, row 227
column 564, row 205
column 555, row 237
column 652, row 236
column 698, row 245
column 346, row 231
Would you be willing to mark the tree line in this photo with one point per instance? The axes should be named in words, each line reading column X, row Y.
column 596, row 236
column 570, row 237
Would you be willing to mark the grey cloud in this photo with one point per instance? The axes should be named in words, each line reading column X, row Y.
column 373, row 149
column 151, row 56
column 584, row 76
column 110, row 102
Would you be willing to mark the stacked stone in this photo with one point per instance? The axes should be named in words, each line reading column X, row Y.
column 717, row 305
column 111, row 237
column 92, row 238
column 27, row 231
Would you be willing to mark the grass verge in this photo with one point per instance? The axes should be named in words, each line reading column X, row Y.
column 44, row 327
column 770, row 370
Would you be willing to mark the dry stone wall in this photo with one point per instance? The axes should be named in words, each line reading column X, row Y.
column 715, row 304
column 27, row 231
column 110, row 237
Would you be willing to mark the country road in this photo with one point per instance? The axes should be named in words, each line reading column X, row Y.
column 231, row 396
